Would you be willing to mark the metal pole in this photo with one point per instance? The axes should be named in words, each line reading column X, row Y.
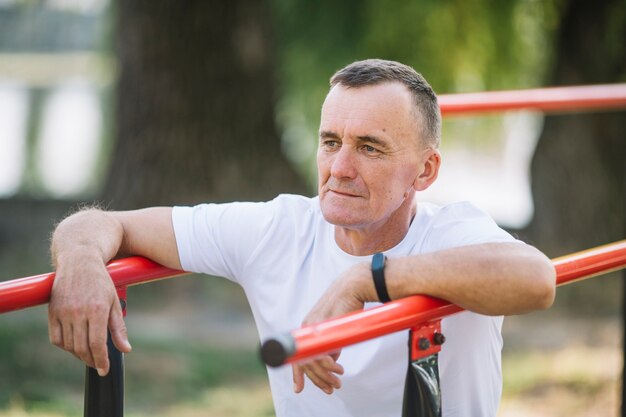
column 551, row 99
column 624, row 293
column 104, row 395
column 623, row 407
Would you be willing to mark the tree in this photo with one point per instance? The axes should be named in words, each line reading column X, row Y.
column 578, row 171
column 195, row 105
column 579, row 168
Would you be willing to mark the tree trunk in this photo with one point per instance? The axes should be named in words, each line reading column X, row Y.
column 195, row 105
column 579, row 167
column 578, row 171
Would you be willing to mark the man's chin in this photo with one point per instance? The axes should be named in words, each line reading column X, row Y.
column 341, row 219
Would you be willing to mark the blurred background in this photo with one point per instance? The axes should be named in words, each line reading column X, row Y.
column 127, row 104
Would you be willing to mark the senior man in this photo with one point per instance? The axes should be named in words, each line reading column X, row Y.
column 304, row 260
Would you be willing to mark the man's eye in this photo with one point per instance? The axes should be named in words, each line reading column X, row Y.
column 369, row 149
column 330, row 143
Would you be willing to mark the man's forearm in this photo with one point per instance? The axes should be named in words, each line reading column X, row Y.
column 492, row 278
column 86, row 233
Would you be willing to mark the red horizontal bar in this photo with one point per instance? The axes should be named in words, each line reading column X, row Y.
column 334, row 334
column 590, row 263
column 552, row 99
column 364, row 325
column 32, row 291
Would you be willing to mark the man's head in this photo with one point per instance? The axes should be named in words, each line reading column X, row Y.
column 376, row 71
column 372, row 154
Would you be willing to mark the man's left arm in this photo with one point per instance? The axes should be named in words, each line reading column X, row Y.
column 490, row 278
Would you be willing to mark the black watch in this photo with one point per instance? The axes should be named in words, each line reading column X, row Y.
column 378, row 273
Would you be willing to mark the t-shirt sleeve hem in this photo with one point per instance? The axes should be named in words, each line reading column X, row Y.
column 182, row 234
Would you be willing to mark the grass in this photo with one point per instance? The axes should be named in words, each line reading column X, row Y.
column 573, row 381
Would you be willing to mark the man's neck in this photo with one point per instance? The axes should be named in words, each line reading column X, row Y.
column 362, row 241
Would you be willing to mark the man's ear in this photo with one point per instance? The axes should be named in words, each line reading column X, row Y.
column 430, row 170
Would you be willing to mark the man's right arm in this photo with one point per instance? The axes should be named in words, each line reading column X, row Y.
column 83, row 301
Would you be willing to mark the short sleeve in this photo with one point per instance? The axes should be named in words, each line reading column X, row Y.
column 462, row 224
column 218, row 239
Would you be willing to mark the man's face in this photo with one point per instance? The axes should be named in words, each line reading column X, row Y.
column 369, row 155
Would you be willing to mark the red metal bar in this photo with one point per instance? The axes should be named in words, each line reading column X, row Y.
column 334, row 334
column 553, row 99
column 357, row 327
column 32, row 291
column 590, row 263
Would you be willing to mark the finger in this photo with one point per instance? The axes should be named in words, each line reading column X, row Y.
column 329, row 363
column 298, row 378
column 118, row 330
column 317, row 380
column 98, row 343
column 326, row 368
column 68, row 337
column 98, row 349
column 322, row 372
column 81, row 343
column 55, row 332
column 335, row 355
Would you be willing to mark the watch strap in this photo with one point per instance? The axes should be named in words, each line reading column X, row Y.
column 378, row 274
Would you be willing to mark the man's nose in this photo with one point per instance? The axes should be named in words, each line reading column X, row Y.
column 344, row 164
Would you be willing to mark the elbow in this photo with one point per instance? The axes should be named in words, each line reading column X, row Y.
column 544, row 284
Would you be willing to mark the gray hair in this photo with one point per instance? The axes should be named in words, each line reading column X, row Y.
column 377, row 71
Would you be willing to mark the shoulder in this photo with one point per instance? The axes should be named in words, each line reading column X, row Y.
column 459, row 210
column 297, row 214
column 296, row 203
column 458, row 224
column 282, row 204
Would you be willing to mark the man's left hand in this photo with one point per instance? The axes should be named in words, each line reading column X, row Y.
column 347, row 294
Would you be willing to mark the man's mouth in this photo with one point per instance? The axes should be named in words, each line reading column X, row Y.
column 343, row 193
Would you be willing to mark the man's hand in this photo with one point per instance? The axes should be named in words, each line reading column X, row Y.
column 83, row 301
column 81, row 309
column 322, row 372
column 347, row 294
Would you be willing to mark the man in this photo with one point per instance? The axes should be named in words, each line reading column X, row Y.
column 304, row 260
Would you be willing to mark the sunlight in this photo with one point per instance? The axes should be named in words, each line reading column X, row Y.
column 13, row 114
column 70, row 140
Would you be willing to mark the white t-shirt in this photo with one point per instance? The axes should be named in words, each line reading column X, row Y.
column 284, row 255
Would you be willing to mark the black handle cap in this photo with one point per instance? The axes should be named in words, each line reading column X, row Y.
column 277, row 350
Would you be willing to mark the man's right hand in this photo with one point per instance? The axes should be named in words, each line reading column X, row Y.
column 83, row 304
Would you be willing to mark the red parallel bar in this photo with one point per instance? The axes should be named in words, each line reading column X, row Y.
column 334, row 334
column 553, row 99
column 364, row 325
column 590, row 262
column 32, row 291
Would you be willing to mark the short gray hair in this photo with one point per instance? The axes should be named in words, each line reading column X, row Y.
column 377, row 71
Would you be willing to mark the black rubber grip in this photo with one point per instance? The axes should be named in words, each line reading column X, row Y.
column 277, row 350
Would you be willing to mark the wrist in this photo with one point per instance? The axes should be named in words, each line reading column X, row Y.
column 77, row 254
column 360, row 284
